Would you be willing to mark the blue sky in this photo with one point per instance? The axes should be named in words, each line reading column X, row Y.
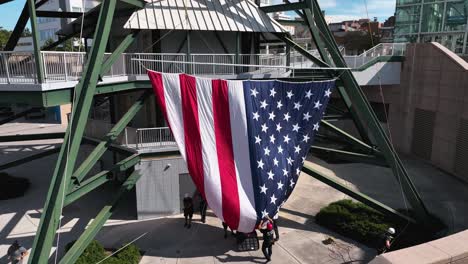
column 336, row 10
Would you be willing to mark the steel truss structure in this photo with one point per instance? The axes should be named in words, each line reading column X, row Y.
column 69, row 184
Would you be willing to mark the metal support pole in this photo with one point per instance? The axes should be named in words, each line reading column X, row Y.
column 365, row 111
column 80, row 245
column 189, row 69
column 36, row 43
column 356, row 195
column 67, row 158
column 238, row 47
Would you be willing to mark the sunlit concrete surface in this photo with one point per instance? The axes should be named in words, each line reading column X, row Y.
column 165, row 240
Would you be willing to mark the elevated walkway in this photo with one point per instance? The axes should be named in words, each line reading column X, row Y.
column 62, row 70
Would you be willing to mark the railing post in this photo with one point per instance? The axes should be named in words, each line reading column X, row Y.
column 137, row 139
column 66, row 68
column 160, row 138
column 139, row 66
column 6, row 67
column 43, row 57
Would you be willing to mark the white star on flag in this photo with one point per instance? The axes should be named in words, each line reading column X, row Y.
column 272, row 92
column 317, row 104
column 254, row 92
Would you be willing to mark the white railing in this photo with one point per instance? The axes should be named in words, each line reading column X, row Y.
column 19, row 67
column 154, row 138
column 382, row 49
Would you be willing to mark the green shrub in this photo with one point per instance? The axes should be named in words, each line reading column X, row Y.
column 12, row 187
column 95, row 252
column 130, row 255
column 366, row 225
column 92, row 254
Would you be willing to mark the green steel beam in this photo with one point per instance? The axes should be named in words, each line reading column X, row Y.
column 4, row 1
column 356, row 195
column 349, row 156
column 36, row 43
column 354, row 141
column 29, row 137
column 28, row 158
column 283, row 7
column 126, row 42
column 136, row 3
column 308, row 16
column 67, row 158
column 302, row 51
column 365, row 112
column 58, row 14
column 102, row 147
column 113, row 147
column 99, row 179
column 79, row 246
column 18, row 30
column 122, row 86
column 19, row 27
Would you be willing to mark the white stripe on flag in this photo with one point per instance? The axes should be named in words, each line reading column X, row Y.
column 248, row 214
column 211, row 177
column 173, row 100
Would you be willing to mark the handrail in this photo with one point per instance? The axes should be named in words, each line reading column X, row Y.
column 63, row 66
column 154, row 138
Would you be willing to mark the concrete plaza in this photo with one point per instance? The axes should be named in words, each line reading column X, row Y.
column 164, row 240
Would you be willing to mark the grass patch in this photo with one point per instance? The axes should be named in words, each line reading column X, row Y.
column 366, row 225
column 12, row 187
column 95, row 252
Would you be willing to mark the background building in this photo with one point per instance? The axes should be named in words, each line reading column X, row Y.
column 433, row 21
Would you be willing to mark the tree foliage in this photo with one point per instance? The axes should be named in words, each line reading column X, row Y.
column 4, row 36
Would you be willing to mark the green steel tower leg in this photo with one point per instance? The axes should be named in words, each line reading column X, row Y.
column 66, row 161
column 365, row 112
column 36, row 44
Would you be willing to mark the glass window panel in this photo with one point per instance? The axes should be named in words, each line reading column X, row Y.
column 432, row 17
column 408, row 14
column 455, row 16
column 405, row 38
column 407, row 2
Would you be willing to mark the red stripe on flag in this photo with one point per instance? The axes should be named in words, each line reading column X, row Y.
column 193, row 147
column 224, row 149
column 158, row 89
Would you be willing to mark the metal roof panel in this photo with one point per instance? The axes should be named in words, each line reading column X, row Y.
column 204, row 15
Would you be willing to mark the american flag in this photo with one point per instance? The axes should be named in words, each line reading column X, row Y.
column 244, row 141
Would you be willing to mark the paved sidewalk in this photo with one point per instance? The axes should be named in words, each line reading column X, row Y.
column 166, row 241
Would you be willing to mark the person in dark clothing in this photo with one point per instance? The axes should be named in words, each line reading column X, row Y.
column 16, row 253
column 188, row 210
column 266, row 227
column 225, row 227
column 275, row 226
column 386, row 241
column 203, row 207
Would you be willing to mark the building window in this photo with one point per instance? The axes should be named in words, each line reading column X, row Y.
column 432, row 17
column 455, row 16
column 47, row 34
column 407, row 2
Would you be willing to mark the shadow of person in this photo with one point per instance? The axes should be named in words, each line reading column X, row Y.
column 228, row 258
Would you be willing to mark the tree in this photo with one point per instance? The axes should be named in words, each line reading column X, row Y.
column 4, row 36
column 68, row 45
column 26, row 33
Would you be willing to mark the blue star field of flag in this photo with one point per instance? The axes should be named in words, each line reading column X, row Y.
column 282, row 119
